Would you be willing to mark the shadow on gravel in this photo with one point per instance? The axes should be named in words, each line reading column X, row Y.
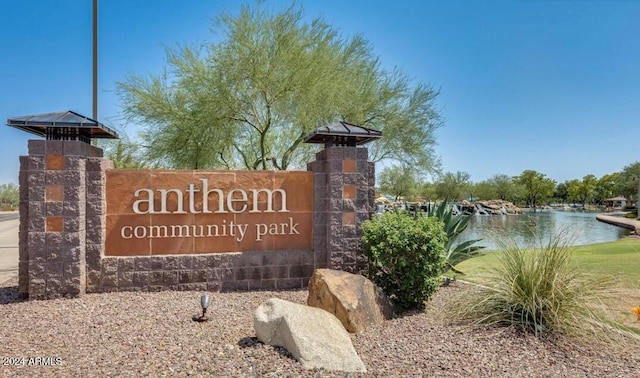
column 248, row 342
column 253, row 342
column 9, row 294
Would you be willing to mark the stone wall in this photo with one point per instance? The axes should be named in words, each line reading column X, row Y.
column 238, row 271
column 62, row 231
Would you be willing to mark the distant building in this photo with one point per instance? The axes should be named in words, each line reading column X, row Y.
column 615, row 203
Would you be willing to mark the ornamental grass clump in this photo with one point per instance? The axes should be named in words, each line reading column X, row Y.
column 538, row 290
column 405, row 257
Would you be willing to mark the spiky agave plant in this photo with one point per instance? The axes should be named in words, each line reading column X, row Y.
column 454, row 225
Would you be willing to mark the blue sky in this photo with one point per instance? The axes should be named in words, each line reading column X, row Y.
column 552, row 86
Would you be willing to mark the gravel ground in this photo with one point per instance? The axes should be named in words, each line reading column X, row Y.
column 152, row 334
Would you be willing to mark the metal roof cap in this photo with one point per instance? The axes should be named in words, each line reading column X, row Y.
column 64, row 125
column 342, row 134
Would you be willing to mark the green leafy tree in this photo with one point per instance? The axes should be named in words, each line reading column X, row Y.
column 499, row 186
column 504, row 186
column 453, row 186
column 9, row 196
column 562, row 192
column 537, row 187
column 427, row 190
column 572, row 189
column 629, row 181
column 483, row 190
column 583, row 191
column 607, row 187
column 519, row 193
column 398, row 181
column 249, row 99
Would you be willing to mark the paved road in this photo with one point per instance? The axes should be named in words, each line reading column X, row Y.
column 5, row 216
column 9, row 222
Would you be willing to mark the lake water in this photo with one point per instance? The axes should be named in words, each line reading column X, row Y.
column 531, row 228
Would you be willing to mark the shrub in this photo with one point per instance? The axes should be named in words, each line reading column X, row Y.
column 538, row 291
column 405, row 257
column 9, row 197
column 454, row 225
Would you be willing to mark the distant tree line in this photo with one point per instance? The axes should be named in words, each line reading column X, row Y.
column 530, row 188
column 9, row 197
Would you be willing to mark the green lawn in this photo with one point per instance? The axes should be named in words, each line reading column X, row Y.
column 619, row 260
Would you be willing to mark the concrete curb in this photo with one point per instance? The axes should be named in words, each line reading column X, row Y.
column 631, row 224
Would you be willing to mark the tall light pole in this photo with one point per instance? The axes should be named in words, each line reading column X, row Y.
column 95, row 60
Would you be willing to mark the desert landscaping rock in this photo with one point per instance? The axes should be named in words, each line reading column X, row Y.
column 501, row 206
column 152, row 334
column 313, row 336
column 352, row 298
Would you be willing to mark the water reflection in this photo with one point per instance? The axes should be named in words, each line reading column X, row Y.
column 533, row 228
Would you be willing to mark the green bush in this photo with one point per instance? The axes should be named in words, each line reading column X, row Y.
column 539, row 291
column 405, row 257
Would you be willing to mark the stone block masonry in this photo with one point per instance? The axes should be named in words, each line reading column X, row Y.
column 238, row 271
column 53, row 218
column 63, row 223
column 344, row 193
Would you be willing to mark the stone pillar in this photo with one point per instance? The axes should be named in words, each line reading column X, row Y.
column 344, row 193
column 96, row 211
column 53, row 224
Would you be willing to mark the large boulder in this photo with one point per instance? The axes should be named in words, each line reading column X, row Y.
column 313, row 336
column 356, row 301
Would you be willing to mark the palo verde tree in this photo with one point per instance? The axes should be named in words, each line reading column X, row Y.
column 499, row 186
column 504, row 186
column 125, row 153
column 453, row 186
column 483, row 190
column 248, row 99
column 398, row 181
